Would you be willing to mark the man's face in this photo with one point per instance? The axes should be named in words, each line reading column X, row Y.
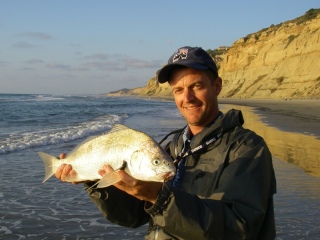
column 195, row 95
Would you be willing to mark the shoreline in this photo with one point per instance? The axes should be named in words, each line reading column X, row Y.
column 301, row 116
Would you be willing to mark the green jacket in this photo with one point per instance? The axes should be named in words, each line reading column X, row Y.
column 226, row 193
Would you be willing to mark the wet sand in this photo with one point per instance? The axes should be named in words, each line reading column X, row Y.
column 302, row 116
column 290, row 128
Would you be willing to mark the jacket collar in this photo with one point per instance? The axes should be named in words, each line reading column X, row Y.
column 223, row 123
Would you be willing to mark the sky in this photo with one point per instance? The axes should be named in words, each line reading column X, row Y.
column 98, row 46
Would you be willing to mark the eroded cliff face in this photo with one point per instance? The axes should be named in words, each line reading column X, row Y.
column 282, row 61
column 152, row 89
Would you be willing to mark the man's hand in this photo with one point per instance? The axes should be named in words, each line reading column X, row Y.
column 64, row 170
column 147, row 191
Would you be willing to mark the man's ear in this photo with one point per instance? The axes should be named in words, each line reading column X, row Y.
column 218, row 85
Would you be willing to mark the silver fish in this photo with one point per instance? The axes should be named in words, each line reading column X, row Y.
column 145, row 159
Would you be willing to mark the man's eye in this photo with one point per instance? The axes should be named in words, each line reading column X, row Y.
column 177, row 91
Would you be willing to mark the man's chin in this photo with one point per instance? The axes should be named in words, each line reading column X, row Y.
column 193, row 122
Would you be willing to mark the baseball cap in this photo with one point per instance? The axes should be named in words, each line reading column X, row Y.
column 193, row 57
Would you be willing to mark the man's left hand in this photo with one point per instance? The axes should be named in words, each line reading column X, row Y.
column 147, row 191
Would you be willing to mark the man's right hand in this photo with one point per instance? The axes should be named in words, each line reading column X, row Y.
column 64, row 170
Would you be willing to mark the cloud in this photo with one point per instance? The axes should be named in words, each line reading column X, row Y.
column 26, row 69
column 22, row 45
column 59, row 66
column 64, row 67
column 136, row 63
column 118, row 62
column 97, row 56
column 112, row 66
column 75, row 45
column 3, row 63
column 37, row 35
column 81, row 68
column 34, row 61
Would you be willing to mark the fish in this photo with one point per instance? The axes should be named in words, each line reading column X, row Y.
column 122, row 148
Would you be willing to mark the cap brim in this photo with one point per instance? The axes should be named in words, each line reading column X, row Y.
column 165, row 72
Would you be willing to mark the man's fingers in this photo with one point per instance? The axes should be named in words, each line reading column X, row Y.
column 65, row 171
column 72, row 173
column 58, row 172
column 127, row 179
column 106, row 169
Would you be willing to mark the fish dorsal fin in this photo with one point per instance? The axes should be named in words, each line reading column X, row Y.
column 118, row 127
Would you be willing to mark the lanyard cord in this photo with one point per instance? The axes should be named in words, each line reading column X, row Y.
column 181, row 159
column 189, row 151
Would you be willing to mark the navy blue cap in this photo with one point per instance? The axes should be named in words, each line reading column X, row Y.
column 193, row 57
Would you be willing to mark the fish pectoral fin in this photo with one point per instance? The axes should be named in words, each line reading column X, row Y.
column 109, row 179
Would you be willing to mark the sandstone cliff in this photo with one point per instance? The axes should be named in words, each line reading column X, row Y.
column 282, row 61
column 277, row 62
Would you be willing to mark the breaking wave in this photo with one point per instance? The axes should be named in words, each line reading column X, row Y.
column 20, row 140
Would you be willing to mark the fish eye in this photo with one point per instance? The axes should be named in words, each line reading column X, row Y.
column 156, row 162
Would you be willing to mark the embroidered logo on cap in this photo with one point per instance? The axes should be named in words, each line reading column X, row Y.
column 182, row 53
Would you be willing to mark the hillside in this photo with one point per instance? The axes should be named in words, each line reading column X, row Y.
column 282, row 61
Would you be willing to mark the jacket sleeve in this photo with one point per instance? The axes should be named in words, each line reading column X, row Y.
column 238, row 207
column 118, row 206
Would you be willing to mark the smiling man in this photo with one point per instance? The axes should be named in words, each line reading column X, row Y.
column 225, row 182
column 195, row 95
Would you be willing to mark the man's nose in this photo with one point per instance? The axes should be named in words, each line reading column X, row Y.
column 188, row 95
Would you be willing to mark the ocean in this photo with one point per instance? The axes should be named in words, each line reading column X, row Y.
column 57, row 123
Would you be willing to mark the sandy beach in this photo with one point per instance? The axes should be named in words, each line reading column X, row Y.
column 301, row 116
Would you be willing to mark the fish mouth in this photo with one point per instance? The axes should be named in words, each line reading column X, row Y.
column 168, row 175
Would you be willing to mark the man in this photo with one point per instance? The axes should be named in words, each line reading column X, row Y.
column 225, row 180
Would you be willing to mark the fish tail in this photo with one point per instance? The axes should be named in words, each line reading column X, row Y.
column 49, row 165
